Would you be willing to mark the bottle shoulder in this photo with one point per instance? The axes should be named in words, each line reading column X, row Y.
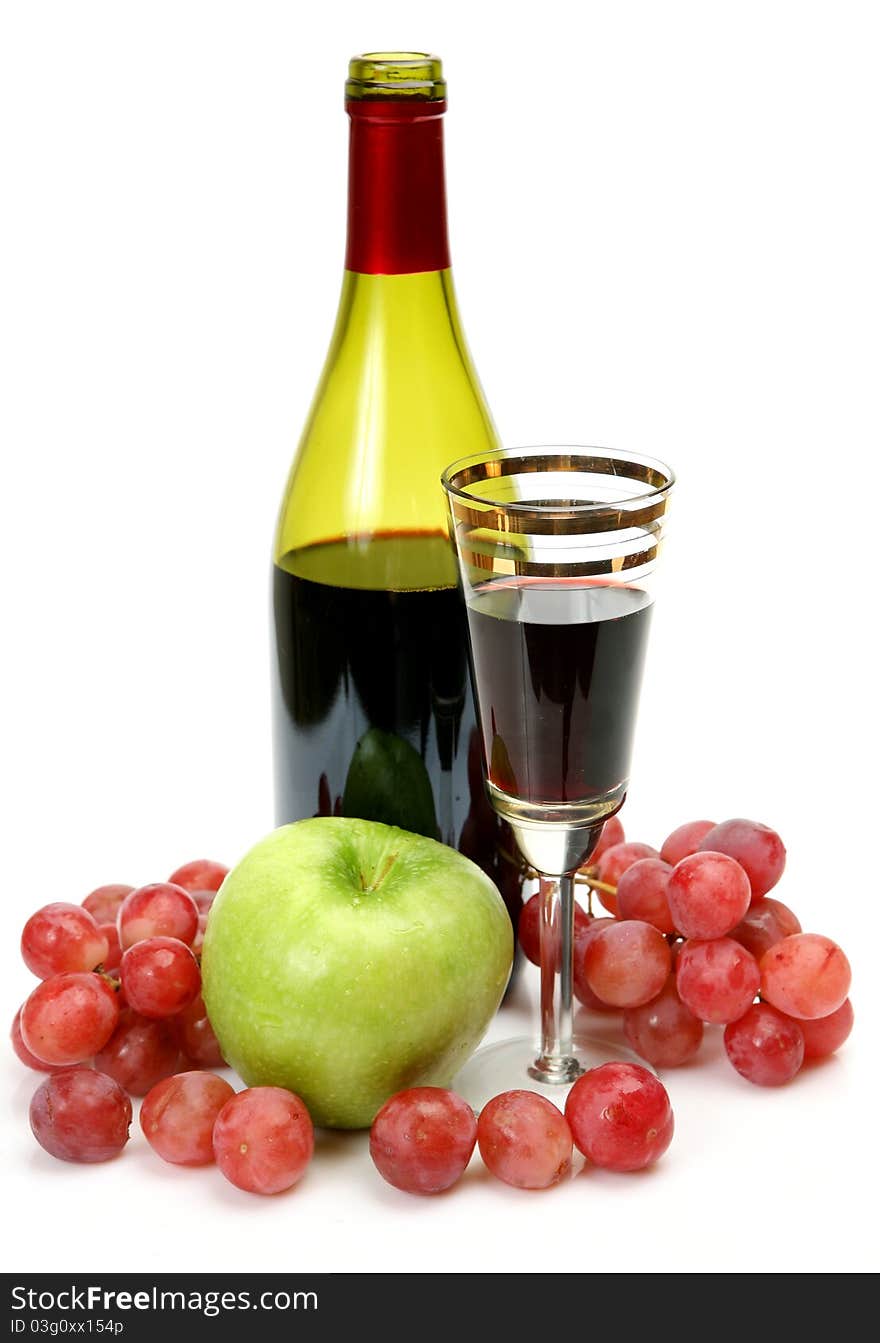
column 398, row 338
column 398, row 400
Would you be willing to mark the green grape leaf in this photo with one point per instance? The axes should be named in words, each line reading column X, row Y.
column 387, row 781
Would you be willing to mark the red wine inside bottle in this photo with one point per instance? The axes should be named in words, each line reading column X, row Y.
column 559, row 666
column 373, row 687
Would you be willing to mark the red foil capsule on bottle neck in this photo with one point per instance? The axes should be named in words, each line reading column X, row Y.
column 396, row 188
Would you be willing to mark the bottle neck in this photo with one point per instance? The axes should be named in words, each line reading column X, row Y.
column 396, row 188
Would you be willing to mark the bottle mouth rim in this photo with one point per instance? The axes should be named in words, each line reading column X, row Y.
column 390, row 75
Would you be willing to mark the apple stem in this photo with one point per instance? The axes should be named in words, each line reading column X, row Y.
column 383, row 873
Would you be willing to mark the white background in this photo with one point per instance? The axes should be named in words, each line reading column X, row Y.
column 665, row 234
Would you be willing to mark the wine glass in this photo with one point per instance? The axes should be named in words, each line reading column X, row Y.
column 556, row 549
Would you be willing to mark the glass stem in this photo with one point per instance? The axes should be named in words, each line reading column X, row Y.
column 556, row 1062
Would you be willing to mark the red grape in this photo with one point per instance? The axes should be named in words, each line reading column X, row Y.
column 178, row 1117
column 24, row 1054
column 805, row 975
column 529, row 930
column 199, row 875
column 664, row 1031
column 524, row 1140
column 113, row 958
column 139, row 1053
column 684, row 841
column 103, row 903
column 764, row 1046
column 641, row 894
column 160, row 976
column 627, row 964
column 62, row 938
column 612, row 833
column 620, row 1116
column 825, row 1034
column 717, row 980
column 767, row 922
column 614, row 862
column 708, row 894
column 199, row 940
column 69, row 1017
column 422, row 1139
column 196, row 1037
column 159, row 910
column 757, row 849
column 675, row 946
column 263, row 1139
column 582, row 939
column 204, row 900
column 80, row 1115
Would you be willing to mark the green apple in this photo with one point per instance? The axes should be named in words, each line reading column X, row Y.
column 346, row 960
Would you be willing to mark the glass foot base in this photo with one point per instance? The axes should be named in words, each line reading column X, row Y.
column 509, row 1065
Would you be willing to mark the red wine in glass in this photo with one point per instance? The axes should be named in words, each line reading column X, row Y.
column 558, row 667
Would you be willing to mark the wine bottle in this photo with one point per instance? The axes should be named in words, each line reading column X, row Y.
column 372, row 704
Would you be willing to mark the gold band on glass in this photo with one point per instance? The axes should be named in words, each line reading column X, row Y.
column 501, row 530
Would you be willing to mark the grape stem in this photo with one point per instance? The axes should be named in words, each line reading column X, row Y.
column 584, row 879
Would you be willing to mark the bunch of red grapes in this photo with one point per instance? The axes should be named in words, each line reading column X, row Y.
column 119, row 1013
column 693, row 938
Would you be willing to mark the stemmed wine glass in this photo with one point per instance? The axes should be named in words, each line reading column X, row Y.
column 556, row 550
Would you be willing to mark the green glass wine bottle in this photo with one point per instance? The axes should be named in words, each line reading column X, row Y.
column 372, row 704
